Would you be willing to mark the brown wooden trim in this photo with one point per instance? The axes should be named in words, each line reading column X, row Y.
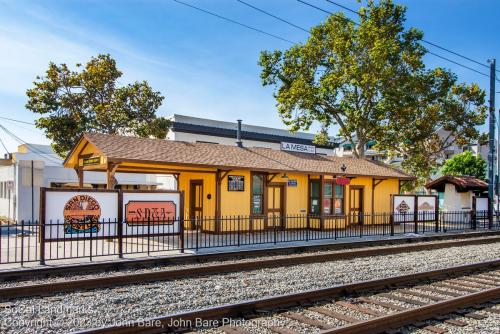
column 362, row 198
column 308, row 209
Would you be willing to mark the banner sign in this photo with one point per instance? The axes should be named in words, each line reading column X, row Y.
column 159, row 210
column 403, row 208
column 92, row 213
column 77, row 214
column 427, row 206
column 298, row 148
column 408, row 207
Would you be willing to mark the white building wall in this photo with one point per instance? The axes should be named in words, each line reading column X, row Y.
column 7, row 201
column 456, row 201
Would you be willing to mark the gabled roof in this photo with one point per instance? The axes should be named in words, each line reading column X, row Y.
column 462, row 183
column 160, row 151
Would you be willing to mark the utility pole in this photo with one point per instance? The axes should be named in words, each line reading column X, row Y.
column 491, row 154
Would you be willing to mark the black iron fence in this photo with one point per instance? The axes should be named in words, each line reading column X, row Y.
column 29, row 242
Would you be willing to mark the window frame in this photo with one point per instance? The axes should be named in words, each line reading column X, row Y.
column 263, row 194
column 322, row 197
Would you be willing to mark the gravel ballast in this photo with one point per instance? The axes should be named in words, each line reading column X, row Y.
column 96, row 308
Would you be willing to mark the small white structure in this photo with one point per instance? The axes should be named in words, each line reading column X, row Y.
column 33, row 166
column 457, row 192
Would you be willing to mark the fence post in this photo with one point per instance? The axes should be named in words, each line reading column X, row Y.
column 90, row 247
column 274, row 228
column 239, row 228
column 436, row 220
column 181, row 232
column 196, row 228
column 41, row 228
column 149, row 232
column 22, row 241
column 308, row 225
column 473, row 219
column 119, row 230
column 415, row 218
column 391, row 221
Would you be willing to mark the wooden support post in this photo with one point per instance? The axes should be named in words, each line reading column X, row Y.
column 79, row 172
column 321, row 196
column 110, row 175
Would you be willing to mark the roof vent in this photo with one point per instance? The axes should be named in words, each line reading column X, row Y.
column 239, row 143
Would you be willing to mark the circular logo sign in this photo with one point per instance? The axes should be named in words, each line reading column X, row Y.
column 81, row 215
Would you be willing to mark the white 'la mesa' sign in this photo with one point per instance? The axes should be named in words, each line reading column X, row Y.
column 298, row 148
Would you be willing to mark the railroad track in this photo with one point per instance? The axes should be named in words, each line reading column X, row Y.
column 120, row 279
column 365, row 307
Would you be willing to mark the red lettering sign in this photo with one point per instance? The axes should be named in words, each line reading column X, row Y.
column 342, row 181
column 157, row 212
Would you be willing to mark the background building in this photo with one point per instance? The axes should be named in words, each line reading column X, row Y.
column 33, row 166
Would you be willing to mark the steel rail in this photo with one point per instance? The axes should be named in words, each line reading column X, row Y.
column 17, row 274
column 167, row 323
column 115, row 280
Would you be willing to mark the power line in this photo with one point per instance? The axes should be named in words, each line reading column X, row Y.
column 16, row 120
column 356, row 23
column 233, row 21
column 33, row 148
column 423, row 40
column 4, row 147
column 272, row 15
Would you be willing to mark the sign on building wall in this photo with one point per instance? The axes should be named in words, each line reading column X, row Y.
column 78, row 214
column 292, row 147
column 481, row 204
column 157, row 211
column 235, row 183
column 292, row 182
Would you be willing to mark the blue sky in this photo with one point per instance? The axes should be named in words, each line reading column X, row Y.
column 204, row 66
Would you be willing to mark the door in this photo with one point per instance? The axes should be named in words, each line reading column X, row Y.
column 195, row 202
column 356, row 204
column 275, row 205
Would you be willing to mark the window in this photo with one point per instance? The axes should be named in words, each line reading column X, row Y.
column 327, row 198
column 257, row 193
column 339, row 199
column 315, row 197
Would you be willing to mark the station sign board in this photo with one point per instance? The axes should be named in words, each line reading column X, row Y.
column 342, row 181
column 293, row 147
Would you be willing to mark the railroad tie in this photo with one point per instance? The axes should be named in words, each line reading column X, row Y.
column 434, row 329
column 479, row 280
column 335, row 315
column 476, row 316
column 282, row 330
column 468, row 284
column 422, row 295
column 358, row 308
column 383, row 304
column 454, row 287
column 403, row 299
column 455, row 322
column 308, row 321
column 492, row 310
column 442, row 292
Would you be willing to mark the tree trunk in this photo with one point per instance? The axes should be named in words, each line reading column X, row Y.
column 360, row 149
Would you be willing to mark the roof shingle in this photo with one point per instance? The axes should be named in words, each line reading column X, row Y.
column 136, row 149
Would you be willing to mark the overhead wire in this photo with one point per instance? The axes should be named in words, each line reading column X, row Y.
column 233, row 21
column 357, row 23
column 423, row 40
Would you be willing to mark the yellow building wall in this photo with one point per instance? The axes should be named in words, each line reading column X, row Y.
column 237, row 203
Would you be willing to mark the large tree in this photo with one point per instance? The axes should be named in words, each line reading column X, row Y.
column 71, row 102
column 465, row 164
column 370, row 81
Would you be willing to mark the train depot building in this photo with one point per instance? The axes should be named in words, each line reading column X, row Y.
column 273, row 188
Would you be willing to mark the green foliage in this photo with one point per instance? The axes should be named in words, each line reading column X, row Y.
column 465, row 164
column 371, row 81
column 88, row 100
column 340, row 76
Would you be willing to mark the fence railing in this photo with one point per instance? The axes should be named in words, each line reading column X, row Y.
column 58, row 240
